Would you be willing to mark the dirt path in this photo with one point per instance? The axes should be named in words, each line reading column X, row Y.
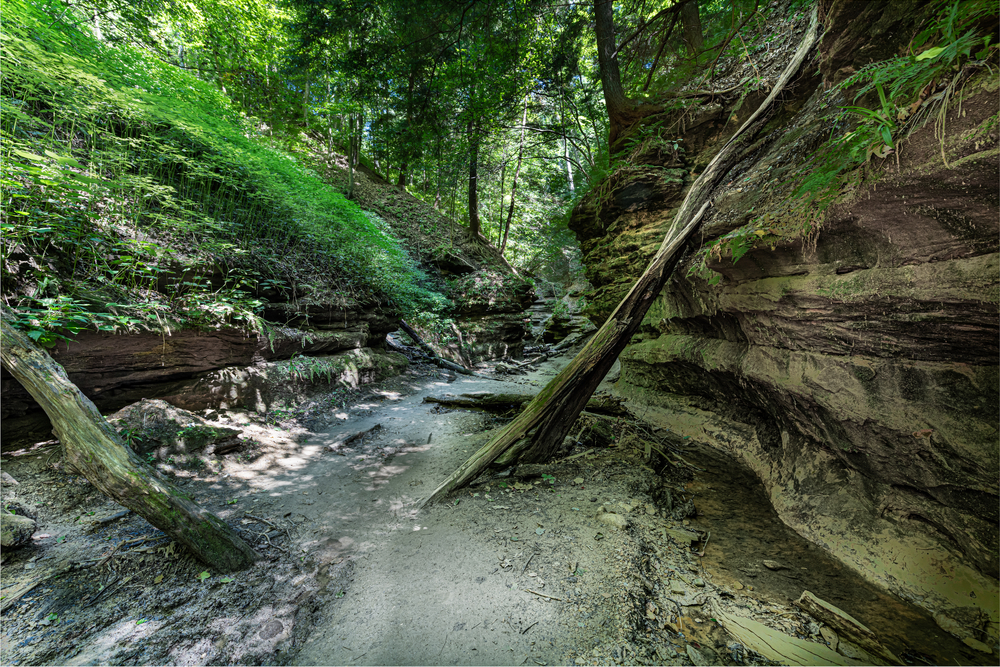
column 445, row 585
column 596, row 558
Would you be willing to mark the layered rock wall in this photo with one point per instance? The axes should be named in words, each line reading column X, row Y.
column 854, row 370
column 219, row 368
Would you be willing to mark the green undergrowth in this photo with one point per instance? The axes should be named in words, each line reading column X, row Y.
column 135, row 196
column 889, row 101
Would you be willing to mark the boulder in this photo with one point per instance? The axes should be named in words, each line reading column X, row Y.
column 15, row 530
column 155, row 427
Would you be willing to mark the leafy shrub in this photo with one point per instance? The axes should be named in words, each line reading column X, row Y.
column 130, row 178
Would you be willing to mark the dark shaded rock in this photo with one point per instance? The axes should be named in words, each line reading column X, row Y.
column 452, row 262
column 15, row 530
column 368, row 320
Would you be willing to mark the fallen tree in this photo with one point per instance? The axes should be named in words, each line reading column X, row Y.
column 429, row 351
column 506, row 402
column 95, row 450
column 535, row 435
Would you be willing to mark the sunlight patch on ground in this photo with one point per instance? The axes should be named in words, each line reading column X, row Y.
column 391, row 395
column 292, row 462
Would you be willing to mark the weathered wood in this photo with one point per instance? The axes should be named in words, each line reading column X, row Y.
column 536, row 434
column 507, row 402
column 775, row 645
column 94, row 448
column 847, row 626
column 343, row 442
column 441, row 363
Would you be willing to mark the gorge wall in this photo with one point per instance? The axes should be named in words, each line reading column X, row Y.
column 854, row 370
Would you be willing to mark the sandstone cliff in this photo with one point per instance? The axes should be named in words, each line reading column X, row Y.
column 853, row 369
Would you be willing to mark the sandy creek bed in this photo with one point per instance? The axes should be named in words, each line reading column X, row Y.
column 530, row 569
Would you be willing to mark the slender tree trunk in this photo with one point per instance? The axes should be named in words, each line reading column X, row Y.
column 94, row 448
column 691, row 20
column 329, row 117
column 503, row 185
column 616, row 103
column 403, row 172
column 437, row 192
column 569, row 167
column 305, row 104
column 536, row 433
column 517, row 172
column 355, row 127
column 96, row 18
column 474, row 223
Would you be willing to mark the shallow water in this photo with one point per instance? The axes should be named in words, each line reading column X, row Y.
column 733, row 505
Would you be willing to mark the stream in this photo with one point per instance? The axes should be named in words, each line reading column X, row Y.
column 746, row 530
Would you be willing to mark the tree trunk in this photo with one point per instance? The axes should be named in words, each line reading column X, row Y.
column 442, row 363
column 517, row 172
column 503, row 185
column 92, row 447
column 691, row 20
column 473, row 181
column 305, row 104
column 615, row 101
column 538, row 431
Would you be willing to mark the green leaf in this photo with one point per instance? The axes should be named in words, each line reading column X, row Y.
column 203, row 576
column 29, row 156
column 226, row 580
column 931, row 53
column 887, row 135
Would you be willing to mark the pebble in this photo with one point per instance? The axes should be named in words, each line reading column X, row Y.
column 613, row 520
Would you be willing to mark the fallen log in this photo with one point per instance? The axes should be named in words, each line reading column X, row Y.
column 777, row 646
column 344, row 442
column 846, row 626
column 438, row 361
column 506, row 402
column 536, row 434
column 97, row 452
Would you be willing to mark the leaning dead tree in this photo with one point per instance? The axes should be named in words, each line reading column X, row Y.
column 535, row 435
column 94, row 448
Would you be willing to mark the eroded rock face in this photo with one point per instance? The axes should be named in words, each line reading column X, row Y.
column 490, row 322
column 116, row 370
column 854, row 371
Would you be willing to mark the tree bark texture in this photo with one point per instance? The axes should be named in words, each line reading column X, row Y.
column 691, row 20
column 517, row 172
column 473, row 180
column 615, row 101
column 94, row 448
column 535, row 434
